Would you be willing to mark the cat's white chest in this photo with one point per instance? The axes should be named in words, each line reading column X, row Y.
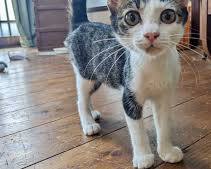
column 153, row 78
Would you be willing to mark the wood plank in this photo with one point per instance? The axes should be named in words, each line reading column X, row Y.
column 59, row 136
column 33, row 61
column 37, row 87
column 192, row 121
column 33, row 116
column 37, row 63
column 21, row 88
column 104, row 100
column 49, row 112
column 34, row 99
column 188, row 81
column 37, row 77
column 47, row 67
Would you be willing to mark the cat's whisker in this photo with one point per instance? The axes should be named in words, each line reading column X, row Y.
column 114, row 64
column 198, row 73
column 189, row 37
column 185, row 34
column 197, row 47
column 100, row 40
column 189, row 26
column 196, row 80
column 181, row 75
column 109, row 39
column 187, row 48
column 99, row 55
column 193, row 46
column 182, row 36
column 105, row 60
column 182, row 78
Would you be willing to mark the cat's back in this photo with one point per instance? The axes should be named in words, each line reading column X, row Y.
column 93, row 44
column 89, row 33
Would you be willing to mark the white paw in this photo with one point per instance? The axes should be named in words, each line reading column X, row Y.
column 96, row 114
column 171, row 155
column 91, row 129
column 143, row 162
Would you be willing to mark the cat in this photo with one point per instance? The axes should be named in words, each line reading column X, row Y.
column 137, row 55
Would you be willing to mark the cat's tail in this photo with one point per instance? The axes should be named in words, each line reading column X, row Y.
column 78, row 13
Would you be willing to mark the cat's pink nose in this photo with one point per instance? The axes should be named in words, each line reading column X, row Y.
column 152, row 36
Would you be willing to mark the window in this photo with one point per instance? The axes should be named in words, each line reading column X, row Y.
column 96, row 5
column 8, row 25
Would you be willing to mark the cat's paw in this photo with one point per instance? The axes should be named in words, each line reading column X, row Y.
column 96, row 114
column 171, row 155
column 91, row 129
column 143, row 162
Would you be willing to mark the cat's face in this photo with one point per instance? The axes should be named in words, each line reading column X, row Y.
column 148, row 25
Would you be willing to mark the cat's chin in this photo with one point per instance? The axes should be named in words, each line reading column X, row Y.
column 152, row 50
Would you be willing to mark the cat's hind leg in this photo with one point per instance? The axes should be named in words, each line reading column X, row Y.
column 95, row 113
column 84, row 87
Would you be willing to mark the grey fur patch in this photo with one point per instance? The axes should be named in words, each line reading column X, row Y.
column 131, row 106
column 97, row 54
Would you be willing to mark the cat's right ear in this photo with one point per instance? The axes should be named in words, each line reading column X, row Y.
column 113, row 5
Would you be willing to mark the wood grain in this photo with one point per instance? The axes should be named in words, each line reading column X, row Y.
column 50, row 112
column 114, row 150
column 40, row 126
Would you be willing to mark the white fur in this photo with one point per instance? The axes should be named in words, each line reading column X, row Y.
column 155, row 76
column 87, row 114
column 142, row 154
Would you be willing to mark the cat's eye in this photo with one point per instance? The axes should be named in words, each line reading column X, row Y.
column 132, row 18
column 168, row 16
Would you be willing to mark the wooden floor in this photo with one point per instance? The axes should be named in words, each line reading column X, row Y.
column 40, row 128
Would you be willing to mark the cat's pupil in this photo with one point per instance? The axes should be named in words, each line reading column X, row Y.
column 168, row 16
column 132, row 17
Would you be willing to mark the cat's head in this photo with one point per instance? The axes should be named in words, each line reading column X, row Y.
column 148, row 25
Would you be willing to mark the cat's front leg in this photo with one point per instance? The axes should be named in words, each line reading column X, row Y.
column 142, row 154
column 162, row 119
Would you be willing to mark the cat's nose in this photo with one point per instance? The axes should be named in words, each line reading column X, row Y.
column 152, row 36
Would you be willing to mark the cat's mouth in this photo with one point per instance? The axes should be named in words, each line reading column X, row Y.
column 152, row 49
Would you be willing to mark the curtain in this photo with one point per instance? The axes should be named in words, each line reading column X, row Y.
column 25, row 19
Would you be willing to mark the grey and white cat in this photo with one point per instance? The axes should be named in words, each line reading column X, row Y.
column 136, row 54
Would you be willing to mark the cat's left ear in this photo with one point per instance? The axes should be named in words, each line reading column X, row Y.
column 113, row 5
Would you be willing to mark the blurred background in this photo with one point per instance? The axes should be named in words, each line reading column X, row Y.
column 44, row 23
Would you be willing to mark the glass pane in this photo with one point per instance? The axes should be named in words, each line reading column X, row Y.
column 10, row 10
column 14, row 29
column 3, row 14
column 96, row 3
column 5, row 30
